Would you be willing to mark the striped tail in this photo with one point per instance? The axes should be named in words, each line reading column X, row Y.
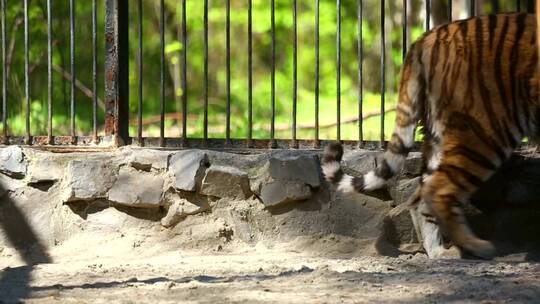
column 411, row 95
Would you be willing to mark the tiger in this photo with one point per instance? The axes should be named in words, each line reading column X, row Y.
column 471, row 86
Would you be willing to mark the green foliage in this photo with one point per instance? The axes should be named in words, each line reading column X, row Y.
column 371, row 96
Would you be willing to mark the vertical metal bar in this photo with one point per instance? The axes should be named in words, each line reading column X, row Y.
column 94, row 69
column 26, row 73
column 295, row 74
column 383, row 69
column 49, row 75
column 450, row 10
column 4, row 75
column 338, row 68
column 250, row 73
column 360, row 75
column 530, row 6
column 228, row 42
column 162, row 73
column 472, row 8
column 518, row 5
column 205, row 71
column 140, row 64
column 117, row 70
column 184, row 74
column 72, row 62
column 405, row 28
column 495, row 6
column 317, row 76
column 273, row 76
column 428, row 15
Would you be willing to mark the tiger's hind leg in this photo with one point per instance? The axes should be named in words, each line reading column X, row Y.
column 466, row 163
column 428, row 231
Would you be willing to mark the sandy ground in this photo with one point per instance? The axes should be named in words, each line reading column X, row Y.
column 263, row 276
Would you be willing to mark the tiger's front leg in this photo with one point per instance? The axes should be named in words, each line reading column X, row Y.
column 428, row 231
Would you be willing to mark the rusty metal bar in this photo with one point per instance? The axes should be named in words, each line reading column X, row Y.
column 117, row 71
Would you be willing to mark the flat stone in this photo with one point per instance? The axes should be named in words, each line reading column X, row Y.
column 46, row 169
column 88, row 179
column 299, row 168
column 279, row 192
column 403, row 189
column 137, row 188
column 13, row 162
column 178, row 210
column 188, row 169
column 146, row 159
column 221, row 181
column 399, row 228
column 413, row 164
column 361, row 162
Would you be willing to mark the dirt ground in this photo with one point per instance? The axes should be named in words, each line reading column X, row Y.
column 107, row 274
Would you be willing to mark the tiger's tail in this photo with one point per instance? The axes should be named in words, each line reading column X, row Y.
column 411, row 99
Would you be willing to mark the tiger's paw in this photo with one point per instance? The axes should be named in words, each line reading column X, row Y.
column 479, row 248
column 452, row 253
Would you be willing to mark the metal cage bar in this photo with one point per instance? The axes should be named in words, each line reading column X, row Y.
column 383, row 70
column 360, row 55
column 205, row 118
column 140, row 74
column 49, row 75
column 295, row 72
column 73, row 66
column 338, row 69
column 4, row 75
column 28, row 136
column 317, row 71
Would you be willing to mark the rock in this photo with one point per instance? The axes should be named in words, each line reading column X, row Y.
column 361, row 162
column 146, row 159
column 221, row 181
column 279, row 192
column 287, row 178
column 302, row 168
column 137, row 188
column 88, row 179
column 413, row 164
column 403, row 190
column 178, row 210
column 399, row 228
column 13, row 162
column 188, row 169
column 45, row 169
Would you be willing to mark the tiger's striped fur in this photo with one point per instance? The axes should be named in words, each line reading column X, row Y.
column 473, row 87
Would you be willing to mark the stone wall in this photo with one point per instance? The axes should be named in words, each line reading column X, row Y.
column 217, row 201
